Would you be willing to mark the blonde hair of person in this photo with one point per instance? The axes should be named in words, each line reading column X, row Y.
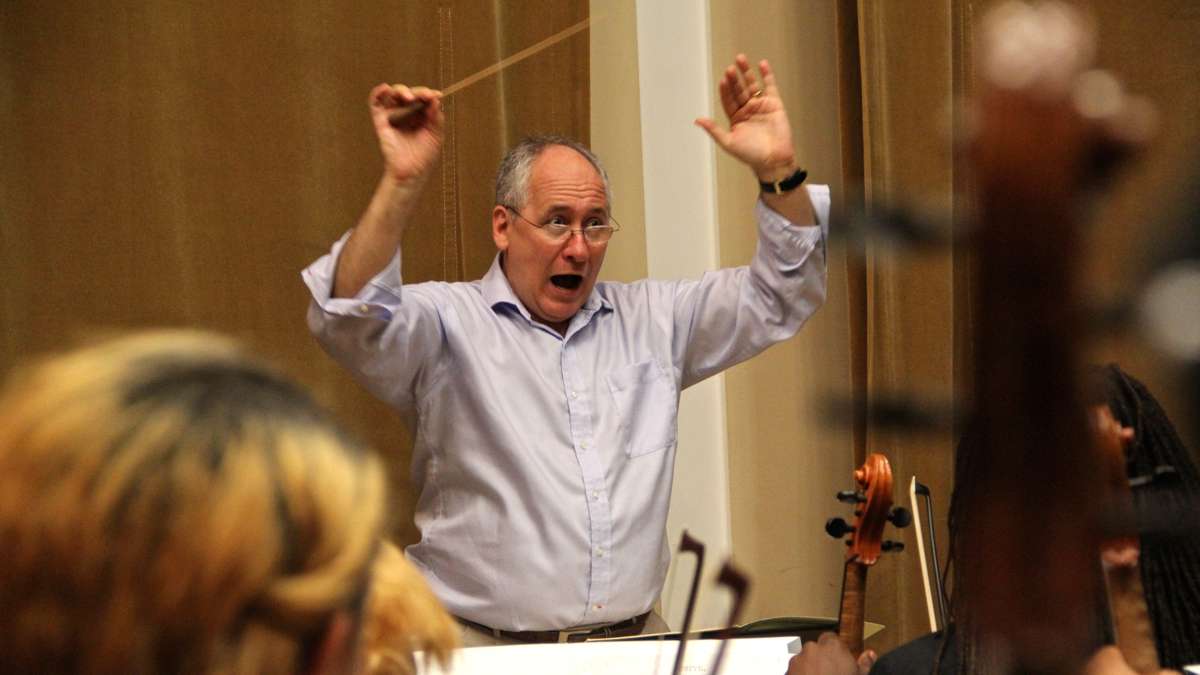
column 404, row 616
column 170, row 505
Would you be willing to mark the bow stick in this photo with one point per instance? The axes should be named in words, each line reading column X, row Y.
column 397, row 117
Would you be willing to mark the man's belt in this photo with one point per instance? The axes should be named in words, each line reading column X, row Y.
column 624, row 628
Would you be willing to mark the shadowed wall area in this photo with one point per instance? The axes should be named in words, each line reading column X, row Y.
column 178, row 164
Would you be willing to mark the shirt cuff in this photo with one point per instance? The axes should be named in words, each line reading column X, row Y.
column 774, row 227
column 378, row 298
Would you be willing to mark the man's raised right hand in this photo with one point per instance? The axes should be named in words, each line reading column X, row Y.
column 411, row 146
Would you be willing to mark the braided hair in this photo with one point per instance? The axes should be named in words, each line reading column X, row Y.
column 1170, row 564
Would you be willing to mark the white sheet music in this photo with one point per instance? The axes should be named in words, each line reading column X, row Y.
column 751, row 656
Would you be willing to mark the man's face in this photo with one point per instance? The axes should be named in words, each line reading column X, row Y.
column 553, row 278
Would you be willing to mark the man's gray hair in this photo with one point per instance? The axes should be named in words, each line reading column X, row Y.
column 512, row 180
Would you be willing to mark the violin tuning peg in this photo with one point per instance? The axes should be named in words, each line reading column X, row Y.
column 837, row 528
column 890, row 546
column 851, row 497
column 900, row 516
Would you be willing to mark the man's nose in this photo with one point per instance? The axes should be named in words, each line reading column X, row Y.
column 576, row 246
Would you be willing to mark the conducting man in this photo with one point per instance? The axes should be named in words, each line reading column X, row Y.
column 542, row 403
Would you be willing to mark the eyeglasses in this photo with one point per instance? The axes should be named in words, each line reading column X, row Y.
column 595, row 230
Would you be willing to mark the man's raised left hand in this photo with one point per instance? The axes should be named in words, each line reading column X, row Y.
column 759, row 133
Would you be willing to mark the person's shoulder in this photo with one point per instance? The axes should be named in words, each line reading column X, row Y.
column 447, row 288
column 439, row 295
column 636, row 293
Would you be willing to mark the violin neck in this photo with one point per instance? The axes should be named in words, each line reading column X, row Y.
column 1132, row 627
column 852, row 613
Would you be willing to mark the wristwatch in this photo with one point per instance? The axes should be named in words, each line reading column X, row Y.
column 786, row 185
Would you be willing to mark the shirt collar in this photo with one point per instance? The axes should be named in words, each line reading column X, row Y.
column 497, row 291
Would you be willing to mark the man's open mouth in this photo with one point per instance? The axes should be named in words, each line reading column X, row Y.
column 568, row 281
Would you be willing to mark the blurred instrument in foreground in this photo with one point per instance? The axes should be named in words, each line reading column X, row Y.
column 1045, row 134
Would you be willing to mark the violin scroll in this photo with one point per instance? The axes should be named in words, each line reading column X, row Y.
column 872, row 499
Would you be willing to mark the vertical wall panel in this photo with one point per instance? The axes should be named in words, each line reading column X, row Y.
column 908, row 77
column 785, row 461
column 616, row 131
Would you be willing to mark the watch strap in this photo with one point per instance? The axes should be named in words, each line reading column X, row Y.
column 786, row 185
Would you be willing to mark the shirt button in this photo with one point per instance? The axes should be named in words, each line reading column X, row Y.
column 583, row 445
column 574, row 395
column 364, row 309
column 595, row 494
column 599, row 553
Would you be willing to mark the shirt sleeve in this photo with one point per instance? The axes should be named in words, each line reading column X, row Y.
column 385, row 335
column 729, row 315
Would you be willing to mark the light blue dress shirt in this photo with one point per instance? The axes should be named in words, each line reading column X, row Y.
column 543, row 463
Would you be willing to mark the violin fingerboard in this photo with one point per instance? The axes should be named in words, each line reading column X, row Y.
column 852, row 614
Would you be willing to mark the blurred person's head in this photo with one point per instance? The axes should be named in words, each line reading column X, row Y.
column 404, row 616
column 170, row 505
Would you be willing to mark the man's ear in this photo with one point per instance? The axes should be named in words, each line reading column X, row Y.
column 500, row 225
column 334, row 653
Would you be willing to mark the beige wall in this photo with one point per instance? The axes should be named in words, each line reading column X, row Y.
column 616, row 130
column 784, row 461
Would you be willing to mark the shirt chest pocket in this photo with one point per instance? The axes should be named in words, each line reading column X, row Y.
column 647, row 405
